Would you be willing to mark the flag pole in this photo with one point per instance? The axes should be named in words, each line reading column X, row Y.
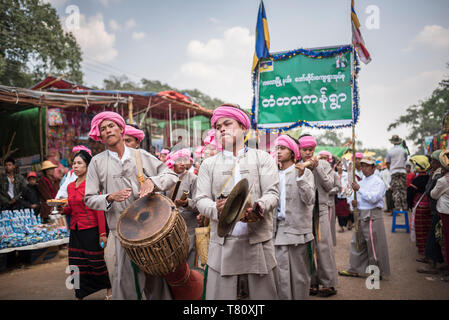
column 356, row 211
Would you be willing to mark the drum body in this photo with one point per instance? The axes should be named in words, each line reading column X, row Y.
column 154, row 235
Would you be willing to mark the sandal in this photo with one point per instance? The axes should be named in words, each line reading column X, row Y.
column 327, row 292
column 346, row 273
column 108, row 297
column 313, row 291
column 428, row 271
column 423, row 260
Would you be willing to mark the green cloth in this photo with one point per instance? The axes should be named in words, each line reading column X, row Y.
column 335, row 151
column 136, row 280
column 25, row 123
column 203, row 297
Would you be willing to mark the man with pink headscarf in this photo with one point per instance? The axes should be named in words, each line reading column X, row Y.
column 177, row 162
column 111, row 186
column 133, row 136
column 325, row 273
column 293, row 235
column 358, row 166
column 242, row 264
column 163, row 155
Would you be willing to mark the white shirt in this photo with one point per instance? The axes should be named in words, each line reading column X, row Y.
column 371, row 193
column 281, row 206
column 69, row 178
column 241, row 228
column 344, row 185
column 125, row 156
column 10, row 188
column 359, row 173
column 385, row 174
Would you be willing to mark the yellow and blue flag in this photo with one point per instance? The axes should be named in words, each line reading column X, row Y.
column 262, row 37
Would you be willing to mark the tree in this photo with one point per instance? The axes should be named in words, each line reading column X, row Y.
column 33, row 44
column 425, row 118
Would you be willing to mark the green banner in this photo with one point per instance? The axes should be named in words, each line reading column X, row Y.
column 305, row 88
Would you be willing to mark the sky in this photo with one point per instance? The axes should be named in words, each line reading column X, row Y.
column 209, row 44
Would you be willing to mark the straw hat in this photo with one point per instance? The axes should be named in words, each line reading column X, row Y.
column 444, row 159
column 395, row 139
column 47, row 164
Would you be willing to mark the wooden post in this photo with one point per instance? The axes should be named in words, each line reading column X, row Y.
column 188, row 126
column 130, row 110
column 41, row 145
column 170, row 124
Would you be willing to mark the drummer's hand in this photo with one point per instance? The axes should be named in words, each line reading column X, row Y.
column 220, row 204
column 119, row 196
column 146, row 188
column 315, row 162
column 181, row 203
column 103, row 239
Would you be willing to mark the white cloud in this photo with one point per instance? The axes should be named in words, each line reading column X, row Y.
column 433, row 36
column 114, row 25
column 96, row 43
column 131, row 23
column 106, row 3
column 382, row 104
column 220, row 66
column 214, row 20
column 138, row 35
column 55, row 3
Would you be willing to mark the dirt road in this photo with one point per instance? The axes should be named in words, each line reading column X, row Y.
column 47, row 281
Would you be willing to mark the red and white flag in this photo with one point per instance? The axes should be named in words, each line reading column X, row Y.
column 357, row 39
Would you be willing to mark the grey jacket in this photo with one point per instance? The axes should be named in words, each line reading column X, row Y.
column 260, row 169
column 299, row 201
column 106, row 175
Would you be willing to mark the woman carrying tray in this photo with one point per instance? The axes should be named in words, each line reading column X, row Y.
column 87, row 236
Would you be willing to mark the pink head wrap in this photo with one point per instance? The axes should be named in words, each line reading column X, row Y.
column 327, row 154
column 212, row 140
column 99, row 118
column 199, row 151
column 133, row 132
column 288, row 142
column 307, row 142
column 228, row 111
column 77, row 149
column 359, row 155
column 173, row 157
column 165, row 151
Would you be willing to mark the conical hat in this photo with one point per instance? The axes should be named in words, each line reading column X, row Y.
column 47, row 164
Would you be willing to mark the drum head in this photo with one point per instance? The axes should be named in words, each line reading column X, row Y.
column 145, row 218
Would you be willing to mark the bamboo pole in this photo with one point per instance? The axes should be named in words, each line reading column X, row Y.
column 356, row 211
column 130, row 110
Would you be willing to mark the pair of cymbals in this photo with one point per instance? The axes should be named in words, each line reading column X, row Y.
column 234, row 208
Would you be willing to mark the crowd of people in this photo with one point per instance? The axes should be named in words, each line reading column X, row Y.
column 283, row 247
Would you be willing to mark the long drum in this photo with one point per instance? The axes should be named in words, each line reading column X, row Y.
column 154, row 235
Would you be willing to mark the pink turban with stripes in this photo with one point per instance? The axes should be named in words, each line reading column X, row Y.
column 288, row 142
column 228, row 111
column 99, row 118
column 307, row 142
column 133, row 132
column 326, row 154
